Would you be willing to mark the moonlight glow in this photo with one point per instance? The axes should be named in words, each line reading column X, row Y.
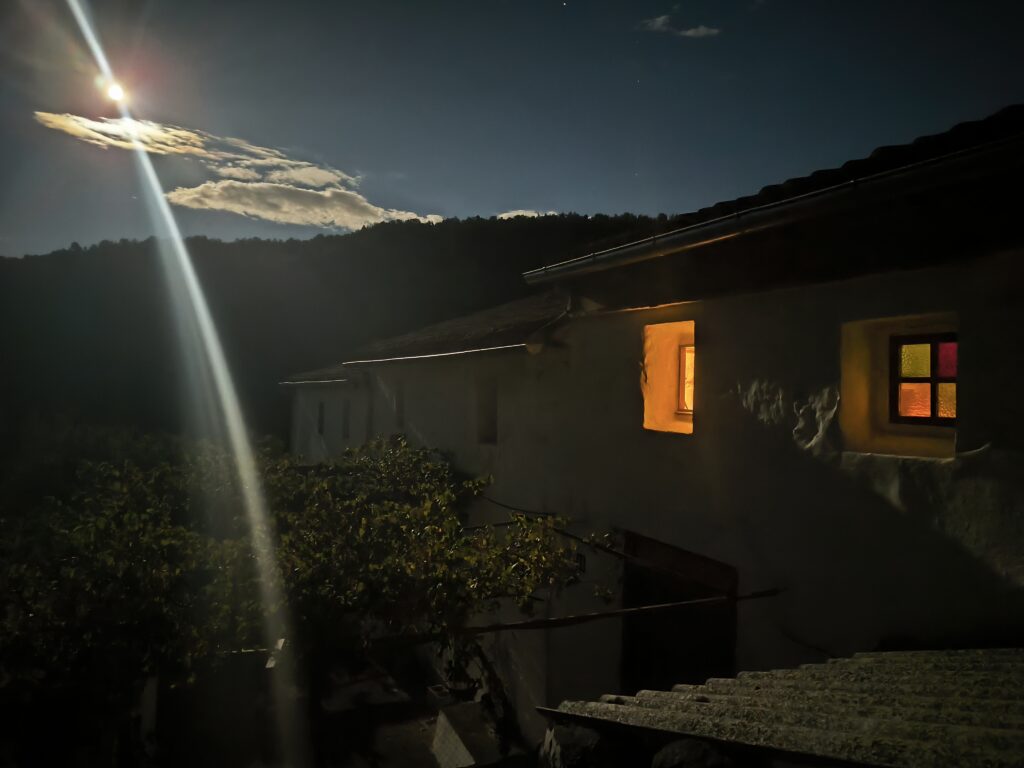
column 115, row 91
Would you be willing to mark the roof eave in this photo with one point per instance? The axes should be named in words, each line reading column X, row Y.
column 747, row 221
column 301, row 382
column 434, row 355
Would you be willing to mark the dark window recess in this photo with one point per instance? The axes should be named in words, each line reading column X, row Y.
column 487, row 411
column 685, row 646
column 400, row 405
column 922, row 379
column 346, row 418
column 320, row 417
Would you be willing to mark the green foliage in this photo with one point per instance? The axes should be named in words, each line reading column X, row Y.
column 373, row 545
column 142, row 566
column 111, row 583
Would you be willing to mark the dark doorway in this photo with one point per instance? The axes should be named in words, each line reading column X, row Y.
column 687, row 645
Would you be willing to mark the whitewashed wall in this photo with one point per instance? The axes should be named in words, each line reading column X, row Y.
column 870, row 550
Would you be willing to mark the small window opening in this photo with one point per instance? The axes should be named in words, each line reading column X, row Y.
column 667, row 376
column 346, row 418
column 320, row 417
column 487, row 411
column 922, row 378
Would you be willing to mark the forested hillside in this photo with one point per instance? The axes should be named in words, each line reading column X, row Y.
column 87, row 335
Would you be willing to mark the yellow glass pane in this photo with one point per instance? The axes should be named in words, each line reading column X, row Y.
column 916, row 360
column 916, row 400
column 947, row 401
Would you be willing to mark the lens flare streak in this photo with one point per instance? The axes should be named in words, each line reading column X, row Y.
column 187, row 290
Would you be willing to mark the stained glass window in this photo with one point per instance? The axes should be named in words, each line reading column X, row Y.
column 923, row 379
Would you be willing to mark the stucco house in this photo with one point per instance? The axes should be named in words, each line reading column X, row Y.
column 814, row 389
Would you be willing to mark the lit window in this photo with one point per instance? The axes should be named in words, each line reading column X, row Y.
column 898, row 385
column 666, row 378
column 923, row 379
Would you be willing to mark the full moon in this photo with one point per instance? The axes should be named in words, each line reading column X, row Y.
column 115, row 91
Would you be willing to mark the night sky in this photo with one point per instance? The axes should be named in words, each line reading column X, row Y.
column 287, row 119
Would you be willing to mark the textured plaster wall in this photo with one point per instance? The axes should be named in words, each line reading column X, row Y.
column 871, row 550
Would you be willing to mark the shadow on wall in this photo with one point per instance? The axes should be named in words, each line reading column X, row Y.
column 874, row 551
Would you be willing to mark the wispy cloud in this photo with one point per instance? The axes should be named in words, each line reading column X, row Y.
column 664, row 24
column 288, row 204
column 254, row 181
column 528, row 212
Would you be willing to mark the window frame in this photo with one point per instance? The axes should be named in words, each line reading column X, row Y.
column 895, row 379
column 684, row 369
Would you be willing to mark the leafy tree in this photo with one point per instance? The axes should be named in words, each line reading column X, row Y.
column 143, row 566
column 373, row 545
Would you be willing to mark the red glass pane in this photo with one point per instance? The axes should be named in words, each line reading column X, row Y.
column 947, row 359
column 916, row 400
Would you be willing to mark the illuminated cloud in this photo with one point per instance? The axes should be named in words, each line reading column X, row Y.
column 664, row 24
column 123, row 133
column 238, row 173
column 258, row 182
column 287, row 204
column 309, row 176
column 529, row 213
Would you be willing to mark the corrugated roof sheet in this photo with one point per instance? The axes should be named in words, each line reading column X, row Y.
column 914, row 709
column 516, row 322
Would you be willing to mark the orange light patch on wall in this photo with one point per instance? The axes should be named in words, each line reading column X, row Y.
column 667, row 378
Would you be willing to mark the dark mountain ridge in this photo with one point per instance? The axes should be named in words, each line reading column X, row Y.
column 88, row 335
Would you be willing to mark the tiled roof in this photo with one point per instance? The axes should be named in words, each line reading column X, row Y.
column 1004, row 124
column 516, row 322
column 915, row 709
column 1007, row 125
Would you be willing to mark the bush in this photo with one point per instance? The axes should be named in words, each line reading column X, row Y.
column 141, row 564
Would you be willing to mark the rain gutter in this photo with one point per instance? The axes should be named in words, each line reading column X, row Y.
column 756, row 219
